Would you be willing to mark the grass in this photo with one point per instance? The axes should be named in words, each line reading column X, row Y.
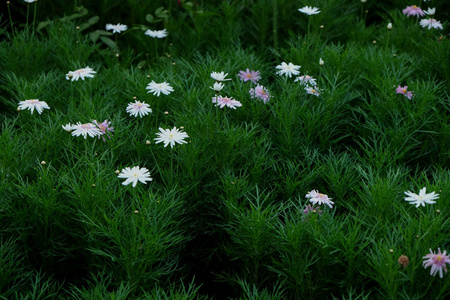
column 223, row 217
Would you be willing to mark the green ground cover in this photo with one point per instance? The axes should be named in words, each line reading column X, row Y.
column 227, row 213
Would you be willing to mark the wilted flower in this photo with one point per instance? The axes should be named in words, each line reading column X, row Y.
column 171, row 136
column 311, row 209
column 260, row 92
column 309, row 10
column 138, row 107
column 288, row 69
column 116, row 28
column 318, row 198
column 134, row 175
column 431, row 23
column 403, row 261
column 219, row 76
column 413, row 10
column 226, row 101
column 403, row 91
column 157, row 88
column 80, row 73
column 249, row 75
column 422, row 198
column 33, row 104
column 437, row 262
column 156, row 33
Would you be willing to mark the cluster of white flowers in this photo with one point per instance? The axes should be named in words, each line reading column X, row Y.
column 220, row 101
column 309, row 82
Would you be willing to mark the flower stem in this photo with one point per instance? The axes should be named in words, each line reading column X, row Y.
column 10, row 18
column 34, row 16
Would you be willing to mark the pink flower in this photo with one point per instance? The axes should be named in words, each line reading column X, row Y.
column 437, row 262
column 249, row 75
column 413, row 10
column 260, row 92
column 225, row 101
column 104, row 128
column 403, row 91
column 318, row 198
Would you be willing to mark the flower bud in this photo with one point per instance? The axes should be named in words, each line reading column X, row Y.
column 389, row 26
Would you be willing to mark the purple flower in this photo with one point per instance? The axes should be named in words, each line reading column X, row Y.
column 260, row 92
column 413, row 10
column 104, row 128
column 249, row 75
column 403, row 91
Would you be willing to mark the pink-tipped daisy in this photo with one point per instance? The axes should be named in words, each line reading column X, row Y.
column 260, row 92
column 33, row 104
column 317, row 198
column 226, row 101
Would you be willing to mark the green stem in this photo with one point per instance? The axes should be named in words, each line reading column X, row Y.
column 34, row 16
column 156, row 49
column 28, row 10
column 10, row 18
column 309, row 26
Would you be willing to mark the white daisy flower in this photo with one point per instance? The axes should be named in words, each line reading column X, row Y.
column 85, row 130
column 157, row 88
column 288, row 69
column 138, row 107
column 430, row 11
column 218, row 86
column 313, row 91
column 171, row 136
column 134, row 175
column 309, row 10
column 219, row 76
column 156, row 33
column 317, row 198
column 80, row 73
column 33, row 104
column 116, row 28
column 431, row 23
column 68, row 127
column 422, row 198
column 306, row 80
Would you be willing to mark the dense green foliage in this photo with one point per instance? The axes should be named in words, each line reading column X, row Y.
column 223, row 217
